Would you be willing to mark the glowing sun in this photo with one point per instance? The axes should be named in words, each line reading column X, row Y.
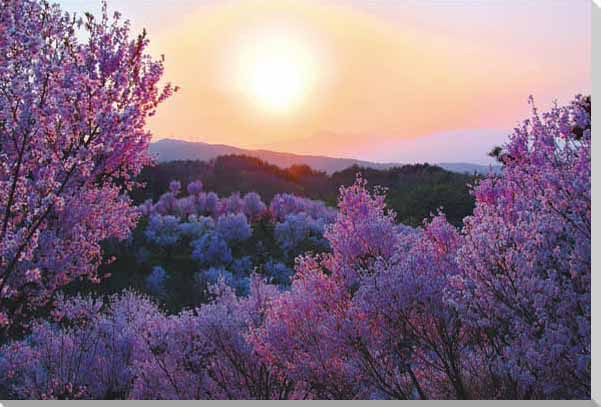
column 276, row 71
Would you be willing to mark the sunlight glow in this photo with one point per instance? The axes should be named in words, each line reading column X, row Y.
column 276, row 72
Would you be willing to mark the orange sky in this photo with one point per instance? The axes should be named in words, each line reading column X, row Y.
column 383, row 76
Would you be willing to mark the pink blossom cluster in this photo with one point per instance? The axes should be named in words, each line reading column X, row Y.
column 126, row 347
column 216, row 232
column 283, row 205
column 72, row 136
column 90, row 349
column 201, row 203
column 525, row 265
column 498, row 309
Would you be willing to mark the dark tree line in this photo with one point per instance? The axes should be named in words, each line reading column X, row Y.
column 414, row 191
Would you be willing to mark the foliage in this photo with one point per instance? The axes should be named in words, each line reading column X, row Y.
column 414, row 191
column 72, row 117
column 526, row 263
column 127, row 347
column 202, row 237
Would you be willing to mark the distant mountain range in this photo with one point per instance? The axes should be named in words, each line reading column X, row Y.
column 173, row 150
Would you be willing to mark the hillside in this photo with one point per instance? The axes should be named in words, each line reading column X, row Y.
column 414, row 191
column 171, row 150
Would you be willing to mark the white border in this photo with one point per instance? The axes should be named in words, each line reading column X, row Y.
column 596, row 167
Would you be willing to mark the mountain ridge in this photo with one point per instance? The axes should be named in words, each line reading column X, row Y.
column 174, row 150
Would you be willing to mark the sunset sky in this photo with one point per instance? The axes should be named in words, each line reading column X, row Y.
column 403, row 81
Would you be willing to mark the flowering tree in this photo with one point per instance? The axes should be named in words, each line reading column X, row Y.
column 88, row 350
column 283, row 205
column 163, row 231
column 233, row 371
column 72, row 117
column 526, row 262
column 363, row 233
column 500, row 309
column 126, row 347
column 310, row 331
column 233, row 227
column 254, row 207
column 305, row 335
column 416, row 345
column 298, row 232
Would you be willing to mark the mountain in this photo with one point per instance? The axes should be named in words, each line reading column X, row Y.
column 174, row 150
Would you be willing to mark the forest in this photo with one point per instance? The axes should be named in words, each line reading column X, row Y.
column 234, row 279
column 413, row 191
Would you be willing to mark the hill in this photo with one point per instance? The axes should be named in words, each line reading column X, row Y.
column 171, row 150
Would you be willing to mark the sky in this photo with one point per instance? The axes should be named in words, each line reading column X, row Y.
column 388, row 81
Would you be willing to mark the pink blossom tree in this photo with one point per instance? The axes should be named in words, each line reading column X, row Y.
column 525, row 265
column 369, row 319
column 204, row 354
column 72, row 136
column 311, row 331
column 88, row 349
column 499, row 309
column 304, row 335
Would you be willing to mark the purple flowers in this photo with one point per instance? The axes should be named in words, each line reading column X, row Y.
column 233, row 227
column 195, row 188
column 163, row 231
column 254, row 207
column 526, row 262
column 216, row 233
column 298, row 229
column 283, row 205
column 72, row 124
column 211, row 250
column 444, row 313
column 91, row 350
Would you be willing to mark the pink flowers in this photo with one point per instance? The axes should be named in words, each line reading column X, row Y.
column 72, row 117
column 500, row 309
column 364, row 231
column 3, row 320
column 526, row 261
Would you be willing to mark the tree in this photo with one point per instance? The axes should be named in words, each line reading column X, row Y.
column 369, row 319
column 499, row 309
column 525, row 276
column 311, row 331
column 72, row 136
column 88, row 349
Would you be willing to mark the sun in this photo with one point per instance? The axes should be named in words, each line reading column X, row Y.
column 277, row 82
column 276, row 71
